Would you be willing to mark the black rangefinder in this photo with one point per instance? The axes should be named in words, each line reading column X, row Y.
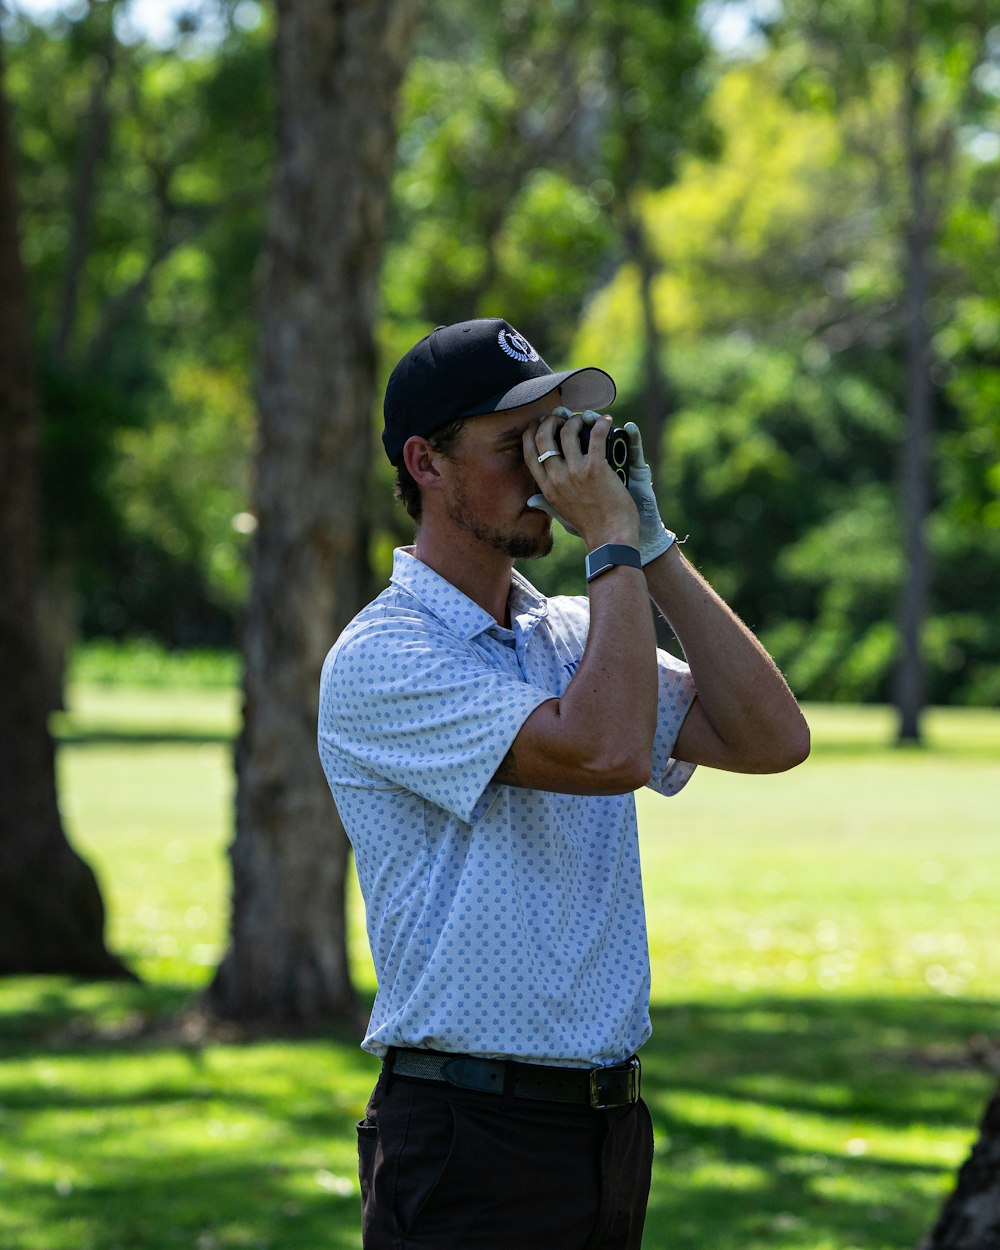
column 617, row 449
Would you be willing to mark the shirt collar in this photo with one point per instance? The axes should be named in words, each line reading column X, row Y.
column 456, row 610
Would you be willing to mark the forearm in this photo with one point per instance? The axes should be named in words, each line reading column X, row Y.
column 597, row 737
column 747, row 719
column 609, row 708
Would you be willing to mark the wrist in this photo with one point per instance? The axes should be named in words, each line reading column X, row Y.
column 623, row 533
column 609, row 556
column 665, row 560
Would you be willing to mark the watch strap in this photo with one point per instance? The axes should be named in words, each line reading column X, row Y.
column 609, row 556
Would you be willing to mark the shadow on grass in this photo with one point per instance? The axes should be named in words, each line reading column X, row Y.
column 66, row 1016
column 59, row 1012
column 147, row 738
column 185, row 1204
column 809, row 1122
column 780, row 1122
column 123, row 1127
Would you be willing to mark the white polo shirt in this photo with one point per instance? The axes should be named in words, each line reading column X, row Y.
column 503, row 922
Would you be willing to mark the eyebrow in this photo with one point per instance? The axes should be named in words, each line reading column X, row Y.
column 513, row 434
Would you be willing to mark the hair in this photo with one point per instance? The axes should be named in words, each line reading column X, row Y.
column 407, row 491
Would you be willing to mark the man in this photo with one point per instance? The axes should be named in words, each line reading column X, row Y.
column 483, row 745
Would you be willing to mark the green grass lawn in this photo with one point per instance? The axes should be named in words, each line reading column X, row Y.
column 824, row 948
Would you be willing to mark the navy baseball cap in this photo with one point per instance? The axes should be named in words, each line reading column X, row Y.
column 471, row 369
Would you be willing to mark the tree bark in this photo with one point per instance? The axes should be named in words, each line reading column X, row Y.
column 51, row 911
column 915, row 469
column 94, row 136
column 970, row 1218
column 339, row 67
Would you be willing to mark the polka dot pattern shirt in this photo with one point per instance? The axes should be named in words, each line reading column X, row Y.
column 502, row 921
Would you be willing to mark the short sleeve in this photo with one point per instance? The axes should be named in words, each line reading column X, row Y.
column 676, row 694
column 422, row 709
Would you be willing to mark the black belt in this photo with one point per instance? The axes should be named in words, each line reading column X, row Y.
column 600, row 1088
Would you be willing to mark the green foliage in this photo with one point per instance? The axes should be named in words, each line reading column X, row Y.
column 545, row 251
column 141, row 662
column 758, row 239
column 182, row 479
column 142, row 184
column 778, row 303
column 477, row 231
column 524, row 132
column 83, row 416
column 529, row 137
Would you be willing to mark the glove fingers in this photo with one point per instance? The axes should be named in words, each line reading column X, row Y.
column 635, row 457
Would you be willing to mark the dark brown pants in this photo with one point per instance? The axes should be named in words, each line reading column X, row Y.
column 448, row 1169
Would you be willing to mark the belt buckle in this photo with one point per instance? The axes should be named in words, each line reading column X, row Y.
column 630, row 1071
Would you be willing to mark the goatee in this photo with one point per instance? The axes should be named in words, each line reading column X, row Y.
column 517, row 545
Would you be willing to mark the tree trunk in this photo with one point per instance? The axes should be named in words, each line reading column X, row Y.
column 915, row 467
column 656, row 397
column 51, row 911
column 94, row 136
column 970, row 1219
column 339, row 68
column 630, row 180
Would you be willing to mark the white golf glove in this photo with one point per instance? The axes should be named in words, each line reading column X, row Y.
column 654, row 537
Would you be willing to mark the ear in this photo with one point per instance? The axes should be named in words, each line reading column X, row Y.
column 421, row 462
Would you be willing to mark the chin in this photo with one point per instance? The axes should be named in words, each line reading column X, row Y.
column 523, row 546
column 540, row 549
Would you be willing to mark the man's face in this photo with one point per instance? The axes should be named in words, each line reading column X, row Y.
column 489, row 488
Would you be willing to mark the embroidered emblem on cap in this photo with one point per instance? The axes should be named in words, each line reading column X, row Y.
column 517, row 345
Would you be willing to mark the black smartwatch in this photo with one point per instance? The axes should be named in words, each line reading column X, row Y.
column 610, row 556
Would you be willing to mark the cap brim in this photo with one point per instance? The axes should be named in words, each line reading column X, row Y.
column 581, row 388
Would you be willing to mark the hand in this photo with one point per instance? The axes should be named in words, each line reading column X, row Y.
column 654, row 537
column 579, row 489
column 540, row 502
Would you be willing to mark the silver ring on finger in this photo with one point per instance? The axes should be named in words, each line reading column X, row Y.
column 547, row 455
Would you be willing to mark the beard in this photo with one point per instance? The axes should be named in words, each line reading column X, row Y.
column 517, row 544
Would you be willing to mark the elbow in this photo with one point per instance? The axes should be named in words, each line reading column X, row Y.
column 790, row 749
column 800, row 743
column 640, row 774
column 623, row 774
column 804, row 745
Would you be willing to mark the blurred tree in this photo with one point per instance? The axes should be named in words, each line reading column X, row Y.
column 336, row 146
column 966, row 529
column 144, row 171
column 779, row 295
column 51, row 910
column 656, row 89
column 905, row 77
column 482, row 196
column 755, row 246
column 530, row 135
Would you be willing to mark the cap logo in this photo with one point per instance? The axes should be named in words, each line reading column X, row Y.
column 517, row 346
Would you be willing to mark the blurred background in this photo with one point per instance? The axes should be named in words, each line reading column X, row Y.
column 728, row 206
column 775, row 223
